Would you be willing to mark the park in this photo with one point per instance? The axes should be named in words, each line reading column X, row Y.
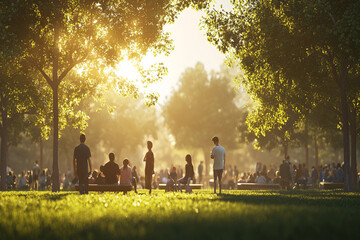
column 179, row 119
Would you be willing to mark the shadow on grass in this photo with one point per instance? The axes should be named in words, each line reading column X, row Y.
column 335, row 198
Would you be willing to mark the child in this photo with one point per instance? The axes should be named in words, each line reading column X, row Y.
column 125, row 174
column 149, row 166
column 189, row 174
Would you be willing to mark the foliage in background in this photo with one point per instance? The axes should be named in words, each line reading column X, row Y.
column 201, row 108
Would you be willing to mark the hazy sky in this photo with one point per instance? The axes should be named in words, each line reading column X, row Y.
column 191, row 46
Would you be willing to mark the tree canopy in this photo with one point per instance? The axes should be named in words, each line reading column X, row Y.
column 201, row 108
column 298, row 54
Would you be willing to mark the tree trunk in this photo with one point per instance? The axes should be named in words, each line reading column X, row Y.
column 55, row 173
column 316, row 149
column 286, row 147
column 41, row 162
column 353, row 133
column 306, row 144
column 346, row 142
column 207, row 161
column 4, row 142
column 55, row 89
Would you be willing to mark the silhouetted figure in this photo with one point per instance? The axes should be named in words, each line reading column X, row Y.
column 314, row 176
column 189, row 174
column 149, row 166
column 36, row 174
column 285, row 175
column 111, row 170
column 101, row 177
column 81, row 160
column 218, row 154
column 135, row 178
column 172, row 178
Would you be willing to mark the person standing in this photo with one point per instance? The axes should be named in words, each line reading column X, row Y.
column 36, row 174
column 218, row 154
column 200, row 171
column 149, row 166
column 81, row 160
column 285, row 175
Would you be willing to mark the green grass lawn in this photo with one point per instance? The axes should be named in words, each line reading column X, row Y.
column 200, row 215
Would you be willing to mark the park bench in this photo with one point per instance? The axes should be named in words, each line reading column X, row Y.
column 225, row 184
column 331, row 185
column 257, row 186
column 107, row 188
column 191, row 185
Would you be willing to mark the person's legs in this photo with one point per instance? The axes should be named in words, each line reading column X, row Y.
column 134, row 183
column 179, row 182
column 188, row 190
column 86, row 186
column 215, row 176
column 83, row 186
column 220, row 176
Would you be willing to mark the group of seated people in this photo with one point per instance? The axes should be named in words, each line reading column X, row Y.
column 128, row 176
column 110, row 171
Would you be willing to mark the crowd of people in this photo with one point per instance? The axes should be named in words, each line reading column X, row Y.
column 294, row 175
column 34, row 179
column 288, row 175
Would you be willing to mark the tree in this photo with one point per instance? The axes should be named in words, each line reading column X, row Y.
column 201, row 108
column 63, row 35
column 312, row 45
column 18, row 95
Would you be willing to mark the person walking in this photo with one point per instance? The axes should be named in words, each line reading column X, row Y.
column 149, row 166
column 81, row 160
column 200, row 171
column 218, row 154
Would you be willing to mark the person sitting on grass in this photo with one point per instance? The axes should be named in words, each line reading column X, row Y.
column 125, row 174
column 189, row 174
column 111, row 170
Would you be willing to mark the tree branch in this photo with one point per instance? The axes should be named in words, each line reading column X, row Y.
column 47, row 78
column 67, row 70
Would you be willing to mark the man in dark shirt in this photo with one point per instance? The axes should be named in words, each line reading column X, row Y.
column 81, row 158
column 111, row 170
column 285, row 175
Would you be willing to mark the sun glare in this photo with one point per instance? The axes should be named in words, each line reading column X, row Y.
column 126, row 69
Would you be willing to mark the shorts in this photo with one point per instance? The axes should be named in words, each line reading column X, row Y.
column 218, row 174
column 35, row 177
